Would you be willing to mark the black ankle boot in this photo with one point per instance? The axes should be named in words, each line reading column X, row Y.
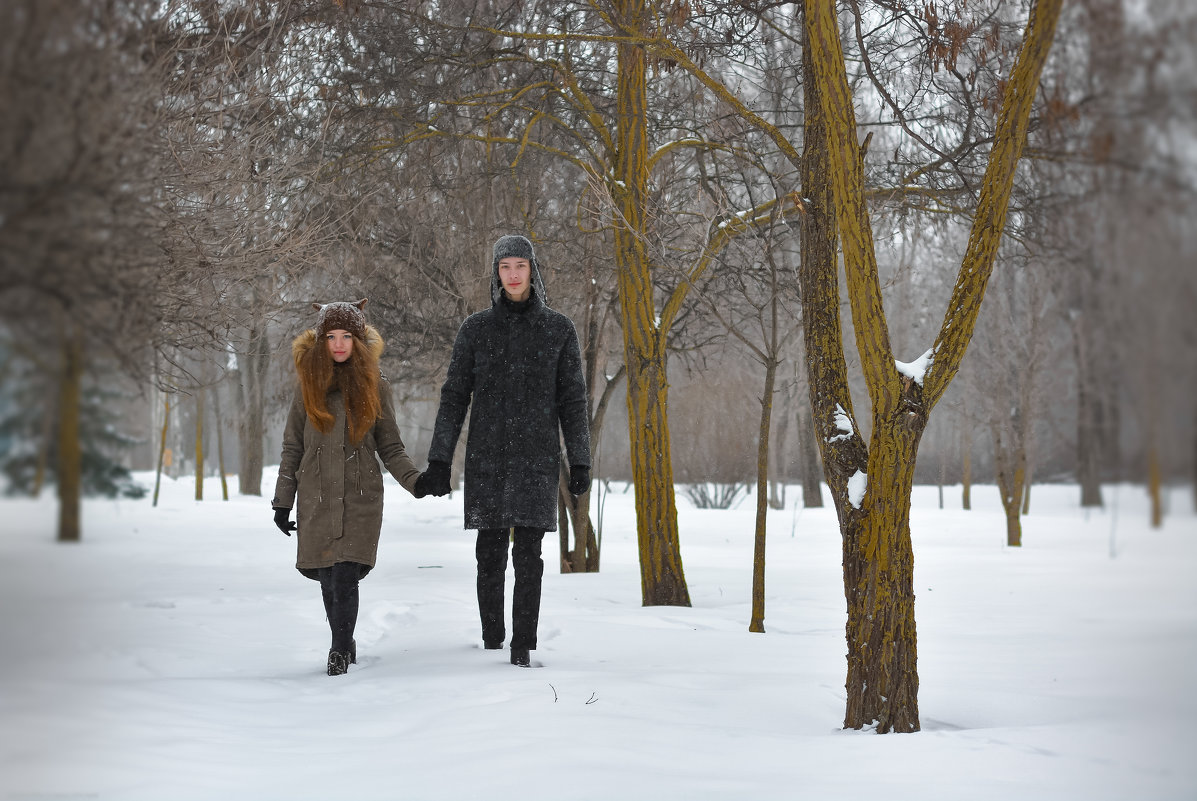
column 338, row 663
column 520, row 657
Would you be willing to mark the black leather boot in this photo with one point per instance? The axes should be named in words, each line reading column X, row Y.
column 338, row 663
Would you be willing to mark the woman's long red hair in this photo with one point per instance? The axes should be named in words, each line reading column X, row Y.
column 357, row 379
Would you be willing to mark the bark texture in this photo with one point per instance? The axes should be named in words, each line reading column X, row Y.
column 873, row 501
column 662, row 580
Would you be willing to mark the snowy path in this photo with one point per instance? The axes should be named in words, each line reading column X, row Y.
column 176, row 654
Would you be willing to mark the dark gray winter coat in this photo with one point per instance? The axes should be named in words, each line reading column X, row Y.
column 521, row 372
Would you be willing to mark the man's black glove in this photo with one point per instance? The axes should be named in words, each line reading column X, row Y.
column 433, row 481
column 579, row 479
column 282, row 519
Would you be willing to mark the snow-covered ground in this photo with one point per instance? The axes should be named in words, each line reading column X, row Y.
column 176, row 654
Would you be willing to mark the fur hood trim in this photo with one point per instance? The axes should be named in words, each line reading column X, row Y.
column 307, row 340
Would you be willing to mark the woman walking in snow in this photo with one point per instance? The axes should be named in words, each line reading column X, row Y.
column 519, row 364
column 341, row 416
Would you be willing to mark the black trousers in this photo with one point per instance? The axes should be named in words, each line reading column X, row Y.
column 491, row 551
column 338, row 585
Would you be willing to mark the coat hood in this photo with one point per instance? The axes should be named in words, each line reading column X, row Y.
column 307, row 340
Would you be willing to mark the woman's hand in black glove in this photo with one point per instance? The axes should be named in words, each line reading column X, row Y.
column 433, row 481
column 282, row 519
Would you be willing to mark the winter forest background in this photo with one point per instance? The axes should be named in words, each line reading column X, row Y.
column 181, row 180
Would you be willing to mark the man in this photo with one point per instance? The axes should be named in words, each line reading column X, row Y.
column 518, row 365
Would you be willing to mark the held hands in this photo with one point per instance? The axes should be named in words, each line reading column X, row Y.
column 282, row 519
column 433, row 481
column 579, row 479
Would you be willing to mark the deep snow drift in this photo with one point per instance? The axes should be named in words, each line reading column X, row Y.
column 176, row 654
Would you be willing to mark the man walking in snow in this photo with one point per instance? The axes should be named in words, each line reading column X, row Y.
column 518, row 365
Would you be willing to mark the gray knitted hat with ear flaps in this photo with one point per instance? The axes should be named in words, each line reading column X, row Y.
column 514, row 246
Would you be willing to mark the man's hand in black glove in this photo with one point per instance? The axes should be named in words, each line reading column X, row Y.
column 282, row 519
column 434, row 480
column 579, row 479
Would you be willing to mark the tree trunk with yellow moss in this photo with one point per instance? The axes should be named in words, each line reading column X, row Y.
column 662, row 581
column 874, row 503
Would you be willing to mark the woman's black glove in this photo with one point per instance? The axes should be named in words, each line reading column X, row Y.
column 282, row 519
column 433, row 481
column 579, row 479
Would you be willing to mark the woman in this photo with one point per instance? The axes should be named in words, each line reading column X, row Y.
column 341, row 416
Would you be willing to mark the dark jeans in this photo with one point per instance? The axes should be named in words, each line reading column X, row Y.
column 491, row 551
column 338, row 585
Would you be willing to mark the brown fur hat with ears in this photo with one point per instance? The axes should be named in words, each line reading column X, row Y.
column 341, row 315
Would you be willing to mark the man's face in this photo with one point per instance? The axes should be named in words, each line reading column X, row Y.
column 516, row 277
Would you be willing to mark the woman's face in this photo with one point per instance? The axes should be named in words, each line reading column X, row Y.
column 340, row 345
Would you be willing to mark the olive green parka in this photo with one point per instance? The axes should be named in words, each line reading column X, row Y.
column 339, row 483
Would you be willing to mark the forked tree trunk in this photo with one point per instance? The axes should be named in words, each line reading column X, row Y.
column 882, row 684
column 662, row 581
column 70, row 451
column 574, row 515
column 1011, row 462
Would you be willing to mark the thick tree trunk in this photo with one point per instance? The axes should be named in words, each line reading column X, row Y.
column 812, row 471
column 662, row 581
column 70, row 451
column 251, row 427
column 757, row 624
column 883, row 681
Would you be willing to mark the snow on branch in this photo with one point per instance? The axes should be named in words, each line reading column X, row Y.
column 916, row 369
